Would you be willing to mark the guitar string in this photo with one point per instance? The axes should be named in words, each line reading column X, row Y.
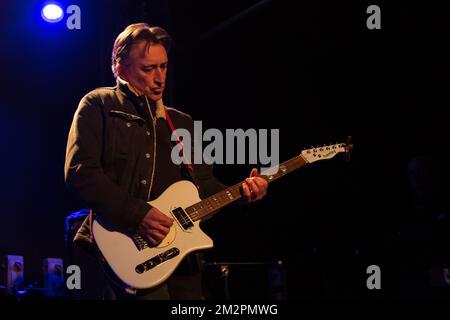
column 222, row 199
column 219, row 201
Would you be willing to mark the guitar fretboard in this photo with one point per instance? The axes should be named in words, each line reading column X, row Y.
column 212, row 204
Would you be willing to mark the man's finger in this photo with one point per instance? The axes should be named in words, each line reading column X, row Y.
column 152, row 240
column 246, row 191
column 163, row 219
column 157, row 235
column 254, row 173
column 260, row 182
column 162, row 229
column 253, row 187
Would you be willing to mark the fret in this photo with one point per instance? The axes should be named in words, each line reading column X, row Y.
column 284, row 168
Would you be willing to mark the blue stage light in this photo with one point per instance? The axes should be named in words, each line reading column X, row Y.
column 52, row 13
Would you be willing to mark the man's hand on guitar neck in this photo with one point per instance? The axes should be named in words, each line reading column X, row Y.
column 155, row 226
column 254, row 188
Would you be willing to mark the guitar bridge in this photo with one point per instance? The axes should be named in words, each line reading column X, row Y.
column 140, row 242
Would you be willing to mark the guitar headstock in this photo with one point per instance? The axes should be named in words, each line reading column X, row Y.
column 328, row 151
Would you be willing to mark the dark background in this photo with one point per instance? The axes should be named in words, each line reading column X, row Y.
column 313, row 71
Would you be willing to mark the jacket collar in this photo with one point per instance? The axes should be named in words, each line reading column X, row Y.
column 140, row 101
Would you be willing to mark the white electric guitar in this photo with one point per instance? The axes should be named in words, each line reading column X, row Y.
column 140, row 265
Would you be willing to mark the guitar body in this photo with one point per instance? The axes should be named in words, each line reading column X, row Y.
column 126, row 258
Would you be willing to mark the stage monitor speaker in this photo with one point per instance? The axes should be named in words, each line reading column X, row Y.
column 53, row 277
column 12, row 273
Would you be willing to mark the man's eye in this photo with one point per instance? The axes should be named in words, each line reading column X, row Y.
column 147, row 69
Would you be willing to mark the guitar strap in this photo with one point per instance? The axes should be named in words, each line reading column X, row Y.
column 187, row 165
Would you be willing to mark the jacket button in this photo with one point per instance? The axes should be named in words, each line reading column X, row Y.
column 128, row 124
column 148, row 132
column 144, row 181
column 147, row 155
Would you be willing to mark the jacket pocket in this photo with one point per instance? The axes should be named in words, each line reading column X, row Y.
column 125, row 127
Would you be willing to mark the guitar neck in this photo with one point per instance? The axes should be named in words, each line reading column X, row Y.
column 212, row 204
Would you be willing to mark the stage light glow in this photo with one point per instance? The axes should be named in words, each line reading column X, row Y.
column 52, row 13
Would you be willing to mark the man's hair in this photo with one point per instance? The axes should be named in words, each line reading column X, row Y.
column 133, row 34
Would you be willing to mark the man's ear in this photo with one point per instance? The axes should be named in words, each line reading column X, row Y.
column 122, row 72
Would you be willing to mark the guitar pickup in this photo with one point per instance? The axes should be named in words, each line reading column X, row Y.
column 183, row 218
column 156, row 260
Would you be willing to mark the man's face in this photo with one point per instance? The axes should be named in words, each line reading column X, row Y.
column 146, row 70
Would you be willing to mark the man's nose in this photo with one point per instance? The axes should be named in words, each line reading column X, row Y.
column 158, row 79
